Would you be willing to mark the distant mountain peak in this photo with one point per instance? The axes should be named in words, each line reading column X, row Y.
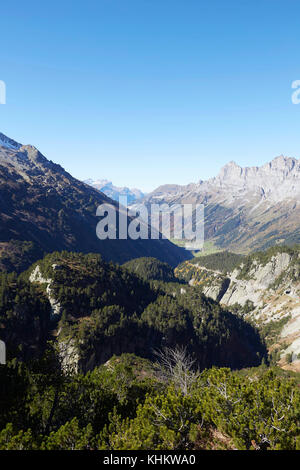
column 114, row 192
column 283, row 163
column 232, row 164
column 280, row 169
column 231, row 169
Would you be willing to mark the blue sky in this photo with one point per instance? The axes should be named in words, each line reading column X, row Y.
column 147, row 92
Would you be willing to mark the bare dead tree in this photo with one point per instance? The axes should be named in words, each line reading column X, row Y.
column 178, row 367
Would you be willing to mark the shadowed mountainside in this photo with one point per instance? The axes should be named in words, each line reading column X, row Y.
column 42, row 204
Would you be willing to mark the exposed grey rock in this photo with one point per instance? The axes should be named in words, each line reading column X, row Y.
column 277, row 180
column 36, row 276
column 261, row 278
column 69, row 356
column 245, row 208
column 272, row 287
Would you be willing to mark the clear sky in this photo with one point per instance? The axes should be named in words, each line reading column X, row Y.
column 147, row 92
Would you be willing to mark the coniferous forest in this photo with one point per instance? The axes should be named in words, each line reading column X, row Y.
column 119, row 360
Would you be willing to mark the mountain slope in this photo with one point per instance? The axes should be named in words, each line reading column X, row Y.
column 246, row 209
column 101, row 309
column 151, row 269
column 265, row 288
column 41, row 203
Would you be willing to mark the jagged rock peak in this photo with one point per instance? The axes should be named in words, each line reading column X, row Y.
column 229, row 170
column 283, row 163
column 281, row 168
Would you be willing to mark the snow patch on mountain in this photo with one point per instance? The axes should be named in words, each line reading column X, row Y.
column 9, row 143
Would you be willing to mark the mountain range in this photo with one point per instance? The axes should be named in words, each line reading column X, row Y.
column 114, row 192
column 102, row 355
column 246, row 209
column 44, row 209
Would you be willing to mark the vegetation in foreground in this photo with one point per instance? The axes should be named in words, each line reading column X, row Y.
column 174, row 399
column 130, row 403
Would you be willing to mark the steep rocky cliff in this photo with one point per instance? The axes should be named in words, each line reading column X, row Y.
column 264, row 287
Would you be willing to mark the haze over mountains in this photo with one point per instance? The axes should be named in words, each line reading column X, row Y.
column 246, row 209
column 43, row 209
column 114, row 192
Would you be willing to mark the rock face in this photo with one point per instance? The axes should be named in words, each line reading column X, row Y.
column 245, row 208
column 264, row 288
column 275, row 181
column 69, row 356
column 259, row 279
column 36, row 276
column 41, row 203
column 242, row 285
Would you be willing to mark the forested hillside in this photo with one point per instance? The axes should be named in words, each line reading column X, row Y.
column 151, row 269
column 99, row 357
column 222, row 261
column 103, row 309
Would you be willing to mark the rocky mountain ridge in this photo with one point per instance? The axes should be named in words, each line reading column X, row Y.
column 277, row 180
column 8, row 143
column 246, row 209
column 114, row 192
column 42, row 204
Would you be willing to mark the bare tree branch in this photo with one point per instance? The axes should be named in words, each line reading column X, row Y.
column 177, row 366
